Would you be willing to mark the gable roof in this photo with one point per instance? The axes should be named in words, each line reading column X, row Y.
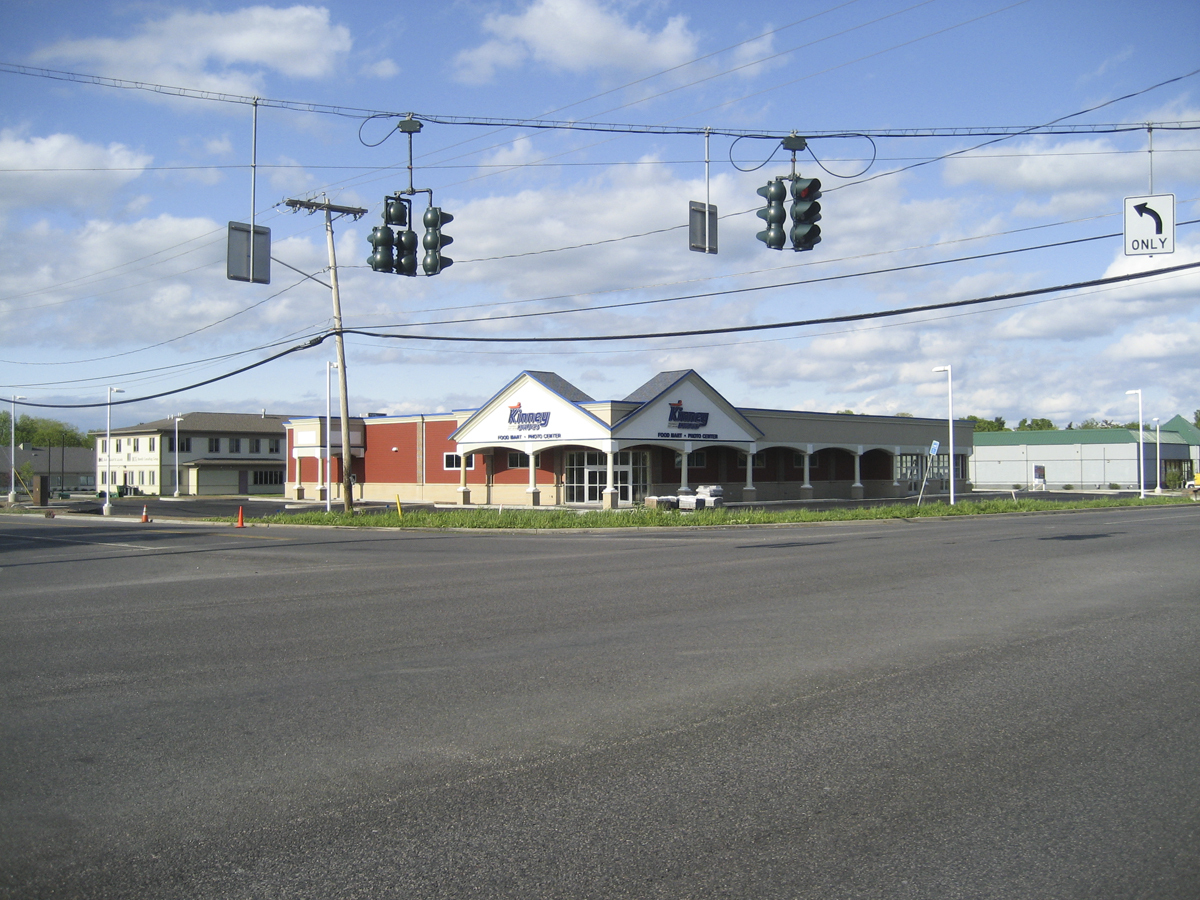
column 560, row 386
column 245, row 423
column 664, row 382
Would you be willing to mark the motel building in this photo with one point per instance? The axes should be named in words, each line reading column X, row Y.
column 541, row 441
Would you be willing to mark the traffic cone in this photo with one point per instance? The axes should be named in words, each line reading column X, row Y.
column 241, row 520
column 145, row 514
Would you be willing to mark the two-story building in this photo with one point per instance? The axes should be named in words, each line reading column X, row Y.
column 216, row 453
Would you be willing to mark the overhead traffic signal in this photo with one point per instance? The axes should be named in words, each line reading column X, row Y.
column 773, row 213
column 806, row 212
column 406, row 252
column 381, row 240
column 395, row 210
column 433, row 241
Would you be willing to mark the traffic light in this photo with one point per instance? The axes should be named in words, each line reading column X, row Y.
column 381, row 240
column 806, row 212
column 395, row 210
column 434, row 240
column 406, row 252
column 773, row 213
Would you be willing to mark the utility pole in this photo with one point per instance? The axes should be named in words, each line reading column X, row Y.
column 356, row 212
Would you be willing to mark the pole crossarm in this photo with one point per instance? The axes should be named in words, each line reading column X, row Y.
column 324, row 205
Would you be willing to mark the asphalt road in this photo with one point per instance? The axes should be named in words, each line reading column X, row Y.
column 1000, row 707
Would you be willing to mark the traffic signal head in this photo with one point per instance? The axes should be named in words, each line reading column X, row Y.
column 381, row 240
column 406, row 252
column 773, row 213
column 433, row 241
column 395, row 211
column 806, row 212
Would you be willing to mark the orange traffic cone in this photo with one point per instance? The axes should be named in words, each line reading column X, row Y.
column 241, row 520
column 145, row 514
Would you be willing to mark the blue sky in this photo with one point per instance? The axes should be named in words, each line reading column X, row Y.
column 114, row 200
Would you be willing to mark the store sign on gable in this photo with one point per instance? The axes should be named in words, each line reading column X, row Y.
column 684, row 419
column 519, row 420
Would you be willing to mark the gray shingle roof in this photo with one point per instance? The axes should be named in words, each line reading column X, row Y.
column 655, row 386
column 210, row 422
column 561, row 386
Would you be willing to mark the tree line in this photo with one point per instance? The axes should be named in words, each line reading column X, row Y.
column 41, row 432
column 998, row 424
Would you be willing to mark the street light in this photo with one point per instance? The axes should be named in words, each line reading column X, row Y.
column 177, row 417
column 12, row 451
column 1141, row 446
column 950, row 421
column 107, row 508
column 1158, row 453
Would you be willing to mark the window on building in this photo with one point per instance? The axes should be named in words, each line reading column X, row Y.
column 273, row 445
column 214, row 445
column 103, row 476
column 797, row 460
column 696, row 460
column 151, row 445
column 152, row 476
column 256, row 445
column 275, row 477
column 185, row 445
column 454, row 462
column 760, row 460
column 141, row 476
column 104, row 446
column 134, row 441
column 118, row 450
column 235, row 445
column 519, row 460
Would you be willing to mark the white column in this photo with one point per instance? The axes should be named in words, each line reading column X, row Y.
column 807, row 460
column 611, row 498
column 856, row 489
column 683, row 468
column 749, row 491
column 535, row 496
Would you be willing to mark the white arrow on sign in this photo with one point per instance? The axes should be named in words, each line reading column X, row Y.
column 1150, row 225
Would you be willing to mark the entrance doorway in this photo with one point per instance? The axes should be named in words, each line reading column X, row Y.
column 586, row 473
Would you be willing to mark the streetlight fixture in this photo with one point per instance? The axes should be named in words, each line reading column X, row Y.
column 177, row 417
column 1158, row 453
column 107, row 508
column 950, row 421
column 1141, row 446
column 12, row 451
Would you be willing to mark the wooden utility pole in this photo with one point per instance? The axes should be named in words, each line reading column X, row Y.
column 330, row 209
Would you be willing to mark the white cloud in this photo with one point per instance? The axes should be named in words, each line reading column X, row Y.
column 88, row 175
column 384, row 68
column 215, row 51
column 575, row 36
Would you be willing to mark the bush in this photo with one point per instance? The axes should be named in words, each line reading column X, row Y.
column 1068, row 487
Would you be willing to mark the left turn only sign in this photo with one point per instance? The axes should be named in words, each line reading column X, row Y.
column 1150, row 225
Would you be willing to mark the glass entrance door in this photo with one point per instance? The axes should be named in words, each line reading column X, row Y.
column 586, row 473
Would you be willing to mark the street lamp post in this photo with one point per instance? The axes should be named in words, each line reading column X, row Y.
column 178, row 416
column 1158, row 454
column 12, row 451
column 107, row 508
column 950, row 421
column 1141, row 446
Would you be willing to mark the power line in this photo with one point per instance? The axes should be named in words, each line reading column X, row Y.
column 566, row 125
column 800, row 323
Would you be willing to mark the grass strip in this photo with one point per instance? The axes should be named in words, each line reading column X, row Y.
column 640, row 517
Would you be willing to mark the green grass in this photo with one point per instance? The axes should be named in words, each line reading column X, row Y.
column 639, row 517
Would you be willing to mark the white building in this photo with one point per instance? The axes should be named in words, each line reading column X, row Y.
column 218, row 453
column 1084, row 458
